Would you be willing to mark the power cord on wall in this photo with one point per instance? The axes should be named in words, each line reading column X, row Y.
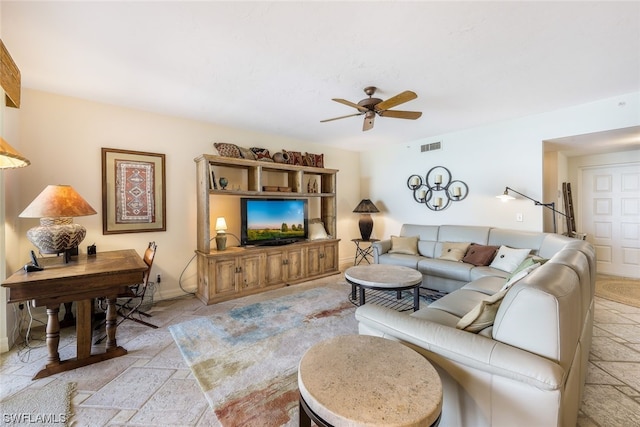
column 25, row 321
column 191, row 260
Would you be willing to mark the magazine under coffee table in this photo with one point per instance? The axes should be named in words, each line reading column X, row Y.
column 386, row 278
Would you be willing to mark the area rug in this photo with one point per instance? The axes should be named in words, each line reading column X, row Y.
column 46, row 406
column 618, row 289
column 246, row 358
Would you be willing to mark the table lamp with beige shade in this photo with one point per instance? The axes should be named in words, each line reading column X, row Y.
column 10, row 157
column 56, row 206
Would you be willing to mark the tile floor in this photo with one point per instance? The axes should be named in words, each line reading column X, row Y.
column 151, row 385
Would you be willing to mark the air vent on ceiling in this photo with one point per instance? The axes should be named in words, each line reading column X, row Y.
column 430, row 147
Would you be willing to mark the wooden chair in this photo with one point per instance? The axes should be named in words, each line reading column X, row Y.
column 135, row 294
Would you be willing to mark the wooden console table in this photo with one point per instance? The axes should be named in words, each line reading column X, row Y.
column 82, row 279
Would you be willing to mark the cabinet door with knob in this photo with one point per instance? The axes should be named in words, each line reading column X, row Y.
column 248, row 272
column 322, row 259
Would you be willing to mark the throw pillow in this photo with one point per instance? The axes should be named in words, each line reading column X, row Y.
column 480, row 255
column 482, row 315
column 453, row 251
column 246, row 153
column 227, row 150
column 514, row 278
column 508, row 259
column 404, row 245
column 317, row 231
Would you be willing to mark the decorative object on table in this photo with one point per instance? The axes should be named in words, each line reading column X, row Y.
column 365, row 208
column 221, row 237
column 437, row 190
column 56, row 206
column 228, row 150
column 10, row 157
column 223, row 183
column 312, row 186
column 262, row 154
column 281, row 157
column 213, row 185
column 313, row 160
column 133, row 192
column 372, row 106
column 551, row 205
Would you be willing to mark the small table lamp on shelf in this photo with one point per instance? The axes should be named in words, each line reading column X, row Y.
column 365, row 208
column 221, row 237
column 56, row 206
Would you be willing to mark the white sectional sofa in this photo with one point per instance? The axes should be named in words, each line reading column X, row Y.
column 526, row 366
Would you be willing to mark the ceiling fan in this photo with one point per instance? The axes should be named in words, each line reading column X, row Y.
column 371, row 106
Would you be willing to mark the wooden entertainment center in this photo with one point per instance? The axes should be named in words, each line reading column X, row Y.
column 240, row 271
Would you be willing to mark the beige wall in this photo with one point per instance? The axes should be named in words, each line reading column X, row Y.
column 62, row 137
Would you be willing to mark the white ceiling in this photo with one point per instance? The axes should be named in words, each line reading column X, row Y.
column 274, row 66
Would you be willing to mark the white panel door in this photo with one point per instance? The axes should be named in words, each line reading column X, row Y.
column 611, row 217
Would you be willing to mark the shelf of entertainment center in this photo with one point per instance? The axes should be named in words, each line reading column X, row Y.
column 242, row 271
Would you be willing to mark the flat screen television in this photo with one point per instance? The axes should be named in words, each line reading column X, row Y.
column 273, row 221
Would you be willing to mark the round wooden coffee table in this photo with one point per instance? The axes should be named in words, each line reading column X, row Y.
column 360, row 380
column 384, row 277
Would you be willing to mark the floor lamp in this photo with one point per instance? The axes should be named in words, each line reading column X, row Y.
column 551, row 206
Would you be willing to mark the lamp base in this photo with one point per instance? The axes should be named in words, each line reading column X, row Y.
column 221, row 241
column 366, row 226
column 55, row 236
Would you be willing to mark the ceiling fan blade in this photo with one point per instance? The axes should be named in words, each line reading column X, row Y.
column 368, row 121
column 351, row 104
column 341, row 117
column 400, row 98
column 397, row 114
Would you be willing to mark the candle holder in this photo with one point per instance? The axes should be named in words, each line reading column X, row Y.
column 437, row 190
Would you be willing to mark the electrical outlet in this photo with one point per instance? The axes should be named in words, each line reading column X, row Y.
column 158, row 279
column 519, row 217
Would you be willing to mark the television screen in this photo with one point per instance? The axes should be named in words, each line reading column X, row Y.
column 273, row 221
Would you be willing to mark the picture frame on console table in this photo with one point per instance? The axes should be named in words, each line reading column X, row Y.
column 133, row 191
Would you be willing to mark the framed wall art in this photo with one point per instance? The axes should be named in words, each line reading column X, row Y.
column 133, row 191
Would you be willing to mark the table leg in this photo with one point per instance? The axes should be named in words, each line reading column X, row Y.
column 111, row 323
column 84, row 313
column 303, row 417
column 53, row 333
column 416, row 298
column 68, row 319
column 361, row 296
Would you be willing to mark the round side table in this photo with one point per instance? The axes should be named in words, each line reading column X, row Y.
column 361, row 380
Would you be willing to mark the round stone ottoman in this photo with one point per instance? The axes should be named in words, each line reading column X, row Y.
column 360, row 380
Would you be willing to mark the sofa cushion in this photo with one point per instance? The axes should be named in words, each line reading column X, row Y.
column 454, row 251
column 483, row 314
column 485, row 270
column 404, row 245
column 459, row 302
column 488, row 285
column 443, row 268
column 480, row 255
column 404, row 260
column 508, row 259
